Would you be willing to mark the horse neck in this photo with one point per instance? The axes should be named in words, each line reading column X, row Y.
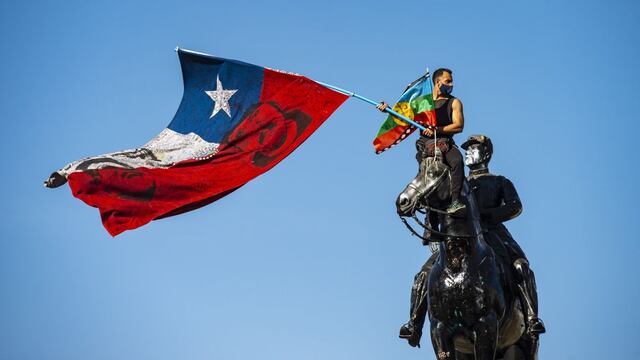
column 461, row 252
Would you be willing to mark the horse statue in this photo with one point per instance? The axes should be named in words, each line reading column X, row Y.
column 472, row 307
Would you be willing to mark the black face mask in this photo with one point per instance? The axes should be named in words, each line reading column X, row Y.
column 446, row 89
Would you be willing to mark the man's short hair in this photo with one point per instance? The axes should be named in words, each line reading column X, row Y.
column 439, row 72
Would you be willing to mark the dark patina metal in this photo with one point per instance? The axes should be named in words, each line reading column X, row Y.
column 472, row 303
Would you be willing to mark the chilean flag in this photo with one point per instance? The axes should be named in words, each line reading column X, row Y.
column 235, row 122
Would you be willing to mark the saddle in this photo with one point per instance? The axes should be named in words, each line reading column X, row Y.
column 426, row 146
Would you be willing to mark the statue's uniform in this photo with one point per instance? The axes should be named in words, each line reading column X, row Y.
column 498, row 202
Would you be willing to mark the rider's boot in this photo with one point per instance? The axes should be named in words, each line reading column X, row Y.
column 529, row 297
column 412, row 330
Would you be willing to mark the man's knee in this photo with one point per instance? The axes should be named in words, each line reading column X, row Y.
column 454, row 158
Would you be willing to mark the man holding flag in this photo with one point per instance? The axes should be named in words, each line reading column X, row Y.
column 235, row 122
column 449, row 120
column 442, row 116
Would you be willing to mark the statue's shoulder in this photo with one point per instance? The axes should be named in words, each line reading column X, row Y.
column 506, row 184
column 487, row 176
column 503, row 179
column 488, row 180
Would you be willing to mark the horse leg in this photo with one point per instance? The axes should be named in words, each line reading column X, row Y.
column 442, row 341
column 486, row 337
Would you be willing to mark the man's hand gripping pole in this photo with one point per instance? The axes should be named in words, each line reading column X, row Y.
column 386, row 109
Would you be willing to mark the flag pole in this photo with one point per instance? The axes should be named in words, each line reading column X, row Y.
column 350, row 93
column 387, row 109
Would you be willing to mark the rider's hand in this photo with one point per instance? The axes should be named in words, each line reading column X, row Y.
column 383, row 105
column 428, row 132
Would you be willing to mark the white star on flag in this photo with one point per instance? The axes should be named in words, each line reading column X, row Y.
column 220, row 97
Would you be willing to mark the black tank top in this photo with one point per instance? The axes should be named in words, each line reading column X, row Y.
column 444, row 109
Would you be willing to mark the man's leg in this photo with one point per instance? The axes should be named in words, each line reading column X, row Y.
column 453, row 157
column 420, row 145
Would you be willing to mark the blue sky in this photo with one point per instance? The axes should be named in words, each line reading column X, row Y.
column 309, row 261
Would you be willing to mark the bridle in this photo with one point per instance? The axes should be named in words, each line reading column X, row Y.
column 432, row 230
column 423, row 210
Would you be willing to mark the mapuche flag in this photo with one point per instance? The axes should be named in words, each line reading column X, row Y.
column 235, row 122
column 416, row 104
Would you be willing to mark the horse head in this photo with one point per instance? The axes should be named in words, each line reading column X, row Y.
column 431, row 186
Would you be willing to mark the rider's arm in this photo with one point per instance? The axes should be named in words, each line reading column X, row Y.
column 511, row 206
column 457, row 119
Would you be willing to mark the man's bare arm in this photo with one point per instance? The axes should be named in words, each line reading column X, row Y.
column 457, row 119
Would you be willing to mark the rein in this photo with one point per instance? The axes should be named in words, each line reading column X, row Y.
column 430, row 229
column 414, row 233
column 424, row 208
column 431, row 209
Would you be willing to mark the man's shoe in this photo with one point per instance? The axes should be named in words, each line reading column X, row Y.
column 456, row 208
column 536, row 327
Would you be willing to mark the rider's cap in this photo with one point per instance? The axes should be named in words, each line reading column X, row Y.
column 479, row 139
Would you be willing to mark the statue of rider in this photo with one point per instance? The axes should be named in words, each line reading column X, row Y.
column 498, row 202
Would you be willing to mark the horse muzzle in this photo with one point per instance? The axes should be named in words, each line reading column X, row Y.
column 406, row 202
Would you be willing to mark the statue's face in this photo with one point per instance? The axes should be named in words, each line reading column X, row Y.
column 474, row 154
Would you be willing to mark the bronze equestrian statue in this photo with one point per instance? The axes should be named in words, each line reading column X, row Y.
column 467, row 285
